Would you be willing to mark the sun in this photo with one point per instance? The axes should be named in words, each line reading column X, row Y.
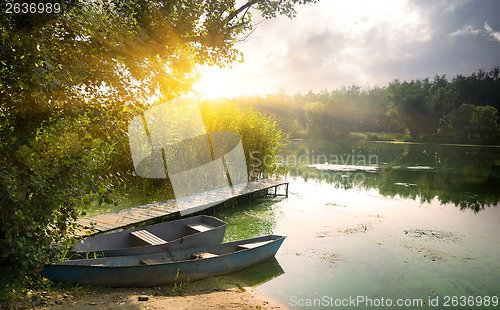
column 216, row 82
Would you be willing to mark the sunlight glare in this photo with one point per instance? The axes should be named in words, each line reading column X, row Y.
column 215, row 82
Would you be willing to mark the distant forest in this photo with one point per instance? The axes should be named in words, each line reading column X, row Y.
column 463, row 110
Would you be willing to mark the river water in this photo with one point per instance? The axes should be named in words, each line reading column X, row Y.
column 379, row 224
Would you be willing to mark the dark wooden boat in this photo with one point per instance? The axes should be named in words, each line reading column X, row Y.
column 174, row 235
column 165, row 267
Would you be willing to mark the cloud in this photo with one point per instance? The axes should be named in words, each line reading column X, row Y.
column 452, row 5
column 367, row 43
column 333, row 44
column 494, row 34
column 471, row 30
column 465, row 31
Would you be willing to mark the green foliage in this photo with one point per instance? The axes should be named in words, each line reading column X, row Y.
column 472, row 124
column 319, row 120
column 47, row 181
column 419, row 110
column 260, row 134
column 408, row 101
column 69, row 85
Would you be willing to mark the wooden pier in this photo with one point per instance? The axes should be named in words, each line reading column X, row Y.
column 157, row 211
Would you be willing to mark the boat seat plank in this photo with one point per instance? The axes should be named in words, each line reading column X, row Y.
column 203, row 255
column 199, row 227
column 149, row 261
column 253, row 245
column 144, row 237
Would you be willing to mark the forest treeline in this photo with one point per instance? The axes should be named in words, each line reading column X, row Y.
column 461, row 110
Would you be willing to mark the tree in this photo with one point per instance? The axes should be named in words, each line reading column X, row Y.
column 320, row 123
column 469, row 124
column 485, row 122
column 69, row 84
column 409, row 105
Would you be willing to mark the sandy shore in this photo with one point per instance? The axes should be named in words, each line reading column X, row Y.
column 213, row 293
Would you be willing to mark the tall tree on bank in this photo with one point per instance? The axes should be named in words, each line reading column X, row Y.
column 410, row 107
column 70, row 81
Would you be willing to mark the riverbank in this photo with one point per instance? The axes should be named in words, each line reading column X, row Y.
column 213, row 293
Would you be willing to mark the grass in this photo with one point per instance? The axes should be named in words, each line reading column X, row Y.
column 33, row 291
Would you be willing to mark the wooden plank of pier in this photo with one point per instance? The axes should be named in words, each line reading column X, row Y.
column 132, row 216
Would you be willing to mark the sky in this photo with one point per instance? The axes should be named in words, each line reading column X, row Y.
column 367, row 43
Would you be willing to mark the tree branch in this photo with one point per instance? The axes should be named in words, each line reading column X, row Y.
column 246, row 6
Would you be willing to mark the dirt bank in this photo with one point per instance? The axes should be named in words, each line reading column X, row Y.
column 213, row 293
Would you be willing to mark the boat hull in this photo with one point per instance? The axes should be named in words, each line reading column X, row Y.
column 173, row 267
column 175, row 234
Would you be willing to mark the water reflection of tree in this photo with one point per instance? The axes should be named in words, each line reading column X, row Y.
column 465, row 190
column 468, row 177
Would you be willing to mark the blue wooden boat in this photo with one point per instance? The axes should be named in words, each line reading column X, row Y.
column 165, row 267
column 174, row 235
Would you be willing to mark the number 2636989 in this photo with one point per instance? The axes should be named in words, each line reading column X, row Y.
column 32, row 8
